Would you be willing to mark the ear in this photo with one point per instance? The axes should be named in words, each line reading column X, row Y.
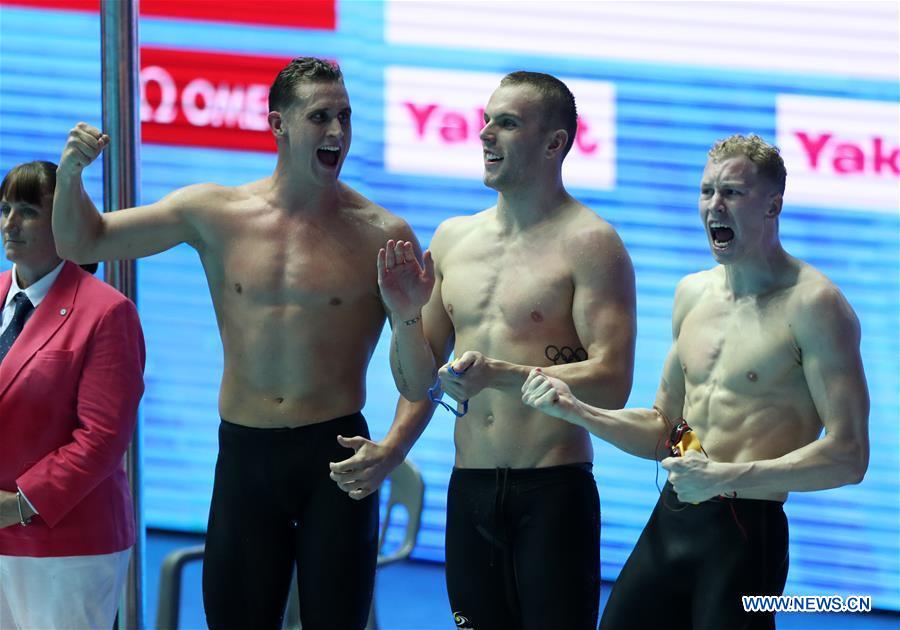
column 275, row 123
column 557, row 144
column 775, row 206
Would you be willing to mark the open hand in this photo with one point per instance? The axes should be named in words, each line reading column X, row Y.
column 363, row 473
column 405, row 284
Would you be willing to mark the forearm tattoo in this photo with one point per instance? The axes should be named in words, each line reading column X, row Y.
column 400, row 365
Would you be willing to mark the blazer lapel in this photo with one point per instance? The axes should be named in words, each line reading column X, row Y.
column 5, row 283
column 53, row 312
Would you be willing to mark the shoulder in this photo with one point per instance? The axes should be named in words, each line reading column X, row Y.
column 100, row 297
column 820, row 308
column 586, row 233
column 689, row 292
column 199, row 196
column 391, row 224
column 452, row 230
column 692, row 286
column 593, row 250
column 373, row 216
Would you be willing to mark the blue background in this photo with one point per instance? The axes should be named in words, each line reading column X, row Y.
column 843, row 541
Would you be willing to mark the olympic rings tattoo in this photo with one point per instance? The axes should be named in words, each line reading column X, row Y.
column 565, row 354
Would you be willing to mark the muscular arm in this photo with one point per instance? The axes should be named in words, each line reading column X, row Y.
column 828, row 336
column 372, row 462
column 419, row 340
column 83, row 235
column 640, row 432
column 411, row 417
column 603, row 311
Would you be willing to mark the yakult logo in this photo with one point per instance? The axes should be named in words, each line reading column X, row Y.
column 434, row 118
column 840, row 152
column 205, row 99
column 458, row 126
column 876, row 156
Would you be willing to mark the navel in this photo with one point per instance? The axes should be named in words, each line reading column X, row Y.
column 536, row 316
column 751, row 376
column 279, row 400
column 238, row 287
column 449, row 309
column 336, row 301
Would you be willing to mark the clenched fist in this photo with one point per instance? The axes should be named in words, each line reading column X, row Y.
column 549, row 395
column 83, row 146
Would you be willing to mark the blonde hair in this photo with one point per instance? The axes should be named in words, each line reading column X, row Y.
column 765, row 156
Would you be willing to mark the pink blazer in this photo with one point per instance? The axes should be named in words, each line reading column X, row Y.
column 69, row 393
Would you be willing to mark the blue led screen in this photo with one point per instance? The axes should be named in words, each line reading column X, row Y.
column 654, row 106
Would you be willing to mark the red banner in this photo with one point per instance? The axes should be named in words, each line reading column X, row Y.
column 317, row 14
column 207, row 99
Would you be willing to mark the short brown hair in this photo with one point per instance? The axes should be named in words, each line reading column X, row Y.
column 557, row 100
column 765, row 156
column 300, row 70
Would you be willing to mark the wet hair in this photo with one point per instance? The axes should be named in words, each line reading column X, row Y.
column 765, row 156
column 558, row 101
column 300, row 70
column 32, row 183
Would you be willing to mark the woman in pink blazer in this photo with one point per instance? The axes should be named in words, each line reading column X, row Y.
column 71, row 377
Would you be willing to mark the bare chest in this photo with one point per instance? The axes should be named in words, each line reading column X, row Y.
column 518, row 290
column 281, row 263
column 746, row 347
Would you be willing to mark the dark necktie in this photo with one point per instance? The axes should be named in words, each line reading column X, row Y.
column 23, row 310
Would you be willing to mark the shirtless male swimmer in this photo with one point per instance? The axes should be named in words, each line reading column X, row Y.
column 537, row 280
column 289, row 262
column 765, row 356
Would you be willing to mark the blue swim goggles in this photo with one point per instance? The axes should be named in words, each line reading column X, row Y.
column 440, row 394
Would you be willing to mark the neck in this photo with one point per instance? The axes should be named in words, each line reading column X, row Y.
column 300, row 193
column 27, row 275
column 760, row 274
column 523, row 206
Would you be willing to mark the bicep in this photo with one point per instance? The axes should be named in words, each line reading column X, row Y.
column 671, row 391
column 832, row 367
column 145, row 230
column 603, row 310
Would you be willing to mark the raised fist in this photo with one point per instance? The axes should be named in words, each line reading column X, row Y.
column 83, row 146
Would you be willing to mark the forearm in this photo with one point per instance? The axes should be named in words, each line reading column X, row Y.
column 591, row 381
column 823, row 464
column 76, row 221
column 412, row 360
column 640, row 432
column 410, row 420
column 61, row 479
